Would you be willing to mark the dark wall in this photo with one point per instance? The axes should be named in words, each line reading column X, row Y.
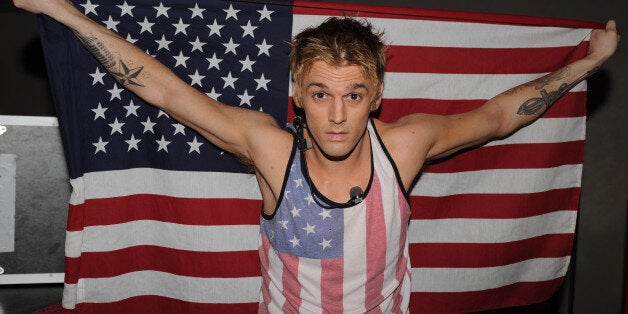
column 600, row 251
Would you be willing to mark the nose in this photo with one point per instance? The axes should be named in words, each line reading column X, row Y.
column 338, row 112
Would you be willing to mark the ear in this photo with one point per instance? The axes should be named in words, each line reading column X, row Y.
column 296, row 96
column 377, row 101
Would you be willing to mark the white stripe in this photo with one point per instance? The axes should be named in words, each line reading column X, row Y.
column 73, row 243
column 472, row 230
column 310, row 280
column 191, row 289
column 29, row 121
column 547, row 130
column 474, row 279
column 69, row 296
column 498, row 181
column 453, row 86
column 190, row 184
column 355, row 259
column 462, row 34
column 13, row 279
column 170, row 235
column 275, row 288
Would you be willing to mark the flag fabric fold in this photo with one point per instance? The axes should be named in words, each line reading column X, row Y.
column 160, row 220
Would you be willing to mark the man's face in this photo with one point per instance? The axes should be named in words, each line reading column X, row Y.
column 337, row 102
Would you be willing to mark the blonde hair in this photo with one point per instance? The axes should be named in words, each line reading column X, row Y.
column 339, row 41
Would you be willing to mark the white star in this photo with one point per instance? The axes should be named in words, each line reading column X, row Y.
column 163, row 144
column 325, row 213
column 262, row 82
column 285, row 194
column 264, row 48
column 231, row 13
column 299, row 182
column 146, row 26
column 213, row 94
column 126, row 9
column 98, row 76
column 229, row 80
column 197, row 45
column 178, row 128
column 231, row 47
column 130, row 39
column 115, row 92
column 265, row 14
column 148, row 125
column 111, row 24
column 163, row 43
column 196, row 11
column 90, row 8
column 100, row 146
column 325, row 244
column 214, row 62
column 195, row 146
column 181, row 59
column 100, row 112
column 162, row 113
column 196, row 79
column 309, row 229
column 295, row 241
column 116, row 126
column 284, row 224
column 131, row 109
column 180, row 27
column 248, row 29
column 245, row 98
column 162, row 10
column 247, row 64
column 295, row 211
column 132, row 143
column 309, row 199
column 215, row 28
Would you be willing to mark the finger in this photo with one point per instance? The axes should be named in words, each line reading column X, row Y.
column 611, row 25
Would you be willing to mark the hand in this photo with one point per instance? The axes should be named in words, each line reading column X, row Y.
column 603, row 43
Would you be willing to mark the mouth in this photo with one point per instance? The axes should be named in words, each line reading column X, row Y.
column 337, row 136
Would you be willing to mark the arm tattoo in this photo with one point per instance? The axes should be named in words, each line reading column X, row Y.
column 98, row 49
column 546, row 99
column 124, row 74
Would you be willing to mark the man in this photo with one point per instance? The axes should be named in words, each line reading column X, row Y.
column 340, row 166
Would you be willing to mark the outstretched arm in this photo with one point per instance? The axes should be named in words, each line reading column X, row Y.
column 519, row 106
column 233, row 129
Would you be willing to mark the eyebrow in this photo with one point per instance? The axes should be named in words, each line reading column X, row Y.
column 351, row 87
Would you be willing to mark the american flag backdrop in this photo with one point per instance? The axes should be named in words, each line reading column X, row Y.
column 160, row 220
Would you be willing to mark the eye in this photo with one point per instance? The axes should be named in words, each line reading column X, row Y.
column 355, row 96
column 318, row 95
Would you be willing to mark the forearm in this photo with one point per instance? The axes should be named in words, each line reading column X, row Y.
column 128, row 65
column 523, row 104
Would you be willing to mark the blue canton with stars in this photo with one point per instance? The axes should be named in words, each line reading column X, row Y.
column 300, row 226
column 235, row 52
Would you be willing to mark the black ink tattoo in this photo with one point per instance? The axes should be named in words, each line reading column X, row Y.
column 127, row 76
column 547, row 99
column 98, row 49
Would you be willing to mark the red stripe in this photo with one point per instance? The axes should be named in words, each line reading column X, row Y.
column 340, row 9
column 512, row 156
column 375, row 245
column 489, row 254
column 291, row 286
column 402, row 265
column 188, row 211
column 265, row 265
column 573, row 104
column 422, row 59
column 494, row 205
column 179, row 262
column 520, row 293
column 159, row 304
column 332, row 285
